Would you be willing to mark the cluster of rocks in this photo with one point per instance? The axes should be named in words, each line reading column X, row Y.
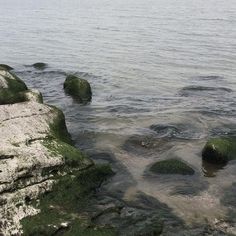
column 37, row 159
column 46, row 184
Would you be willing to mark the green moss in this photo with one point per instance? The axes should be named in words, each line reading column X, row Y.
column 171, row 166
column 16, row 84
column 5, row 67
column 58, row 127
column 12, row 94
column 73, row 157
column 40, row 65
column 31, row 95
column 220, row 150
column 78, row 88
column 9, row 97
column 68, row 199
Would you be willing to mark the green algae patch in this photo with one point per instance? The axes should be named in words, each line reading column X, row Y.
column 220, row 150
column 12, row 93
column 9, row 97
column 78, row 88
column 5, row 67
column 63, row 210
column 58, row 126
column 171, row 166
column 73, row 157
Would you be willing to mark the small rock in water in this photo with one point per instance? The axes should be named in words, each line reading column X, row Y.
column 220, row 150
column 40, row 66
column 78, row 88
column 171, row 166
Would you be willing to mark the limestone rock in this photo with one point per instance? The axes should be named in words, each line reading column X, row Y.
column 35, row 149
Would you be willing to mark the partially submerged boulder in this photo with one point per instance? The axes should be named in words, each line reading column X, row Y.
column 171, row 166
column 40, row 65
column 78, row 88
column 220, row 150
column 13, row 89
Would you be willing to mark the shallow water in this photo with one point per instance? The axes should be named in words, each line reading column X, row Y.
column 163, row 75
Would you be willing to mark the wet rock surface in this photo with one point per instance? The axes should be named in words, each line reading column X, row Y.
column 220, row 150
column 78, row 88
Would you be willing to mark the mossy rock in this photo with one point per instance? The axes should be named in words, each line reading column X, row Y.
column 171, row 166
column 40, row 66
column 74, row 159
column 5, row 67
column 220, row 150
column 58, row 126
column 11, row 88
column 68, row 199
column 78, row 88
column 33, row 96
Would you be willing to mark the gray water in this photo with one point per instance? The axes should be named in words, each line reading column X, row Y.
column 151, row 64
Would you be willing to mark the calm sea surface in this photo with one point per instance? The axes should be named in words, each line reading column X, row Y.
column 163, row 75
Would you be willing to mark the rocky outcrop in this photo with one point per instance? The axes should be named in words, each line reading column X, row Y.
column 78, row 88
column 35, row 151
column 220, row 150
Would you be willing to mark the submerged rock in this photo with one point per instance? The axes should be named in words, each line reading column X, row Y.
column 78, row 88
column 40, row 66
column 220, row 150
column 6, row 67
column 171, row 166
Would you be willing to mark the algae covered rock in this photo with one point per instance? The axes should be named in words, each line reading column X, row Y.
column 6, row 67
column 33, row 95
column 10, row 88
column 40, row 66
column 78, row 88
column 220, row 150
column 171, row 166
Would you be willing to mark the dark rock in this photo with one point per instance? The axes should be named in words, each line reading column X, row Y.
column 220, row 150
column 40, row 66
column 6, row 67
column 171, row 166
column 78, row 88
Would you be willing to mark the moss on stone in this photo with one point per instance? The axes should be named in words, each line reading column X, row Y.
column 171, row 166
column 5, row 67
column 78, row 88
column 40, row 65
column 12, row 94
column 220, row 150
column 33, row 95
column 8, row 97
column 58, row 126
column 66, row 202
column 73, row 157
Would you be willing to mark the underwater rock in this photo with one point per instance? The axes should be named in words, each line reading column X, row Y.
column 40, row 66
column 78, row 88
column 200, row 90
column 171, row 166
column 220, row 150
